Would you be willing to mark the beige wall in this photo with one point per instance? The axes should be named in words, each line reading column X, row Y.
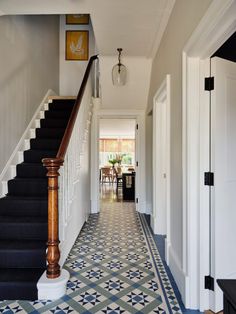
column 168, row 60
column 134, row 94
column 29, row 63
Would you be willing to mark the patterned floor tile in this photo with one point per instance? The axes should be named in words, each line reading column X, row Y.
column 115, row 268
column 74, row 284
column 89, row 298
column 61, row 309
column 14, row 307
column 113, row 309
column 114, row 285
column 138, row 299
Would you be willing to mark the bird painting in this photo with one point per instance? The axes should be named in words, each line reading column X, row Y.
column 77, row 45
column 76, row 48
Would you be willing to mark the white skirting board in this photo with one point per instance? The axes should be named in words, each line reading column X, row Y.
column 177, row 272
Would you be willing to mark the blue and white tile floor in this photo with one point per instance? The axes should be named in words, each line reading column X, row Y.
column 115, row 267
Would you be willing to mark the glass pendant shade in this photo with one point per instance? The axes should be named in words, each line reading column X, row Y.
column 119, row 71
column 119, row 75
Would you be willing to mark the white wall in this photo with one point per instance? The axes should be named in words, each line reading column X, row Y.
column 183, row 20
column 134, row 94
column 71, row 72
column 29, row 63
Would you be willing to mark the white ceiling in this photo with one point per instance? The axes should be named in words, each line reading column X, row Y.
column 134, row 25
column 117, row 128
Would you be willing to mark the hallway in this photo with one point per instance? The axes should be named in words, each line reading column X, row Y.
column 111, row 268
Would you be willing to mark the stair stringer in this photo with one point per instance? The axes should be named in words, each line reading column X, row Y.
column 9, row 171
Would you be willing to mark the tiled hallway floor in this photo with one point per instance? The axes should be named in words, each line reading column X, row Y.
column 114, row 267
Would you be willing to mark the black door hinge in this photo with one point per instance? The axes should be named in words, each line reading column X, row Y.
column 209, row 178
column 136, row 163
column 209, row 83
column 136, row 126
column 136, row 200
column 209, row 283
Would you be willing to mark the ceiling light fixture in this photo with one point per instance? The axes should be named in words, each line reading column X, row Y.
column 119, row 71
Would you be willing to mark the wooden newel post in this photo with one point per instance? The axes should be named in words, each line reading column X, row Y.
column 53, row 254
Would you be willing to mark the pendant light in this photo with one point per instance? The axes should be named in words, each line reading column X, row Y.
column 119, row 71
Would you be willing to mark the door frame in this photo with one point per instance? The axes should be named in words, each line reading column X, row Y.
column 162, row 97
column 140, row 189
column 217, row 25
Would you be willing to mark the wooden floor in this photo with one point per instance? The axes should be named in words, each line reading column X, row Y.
column 108, row 192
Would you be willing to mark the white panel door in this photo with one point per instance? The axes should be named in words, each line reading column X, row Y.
column 159, row 168
column 223, row 118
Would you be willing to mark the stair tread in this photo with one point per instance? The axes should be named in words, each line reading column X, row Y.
column 52, row 123
column 56, row 119
column 31, row 170
column 16, row 198
column 42, row 143
column 41, row 150
column 20, row 179
column 51, row 129
column 24, row 206
column 61, row 105
column 51, row 133
column 45, row 139
column 36, row 155
column 31, row 164
column 20, row 219
column 17, row 245
column 57, row 114
column 20, row 275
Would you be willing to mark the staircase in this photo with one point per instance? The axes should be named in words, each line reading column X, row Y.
column 23, row 211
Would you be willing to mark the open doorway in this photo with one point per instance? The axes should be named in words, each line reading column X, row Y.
column 117, row 159
column 160, row 219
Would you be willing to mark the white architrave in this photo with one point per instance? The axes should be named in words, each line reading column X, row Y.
column 214, row 29
column 162, row 97
column 140, row 189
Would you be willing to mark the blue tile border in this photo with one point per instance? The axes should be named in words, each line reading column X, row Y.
column 160, row 244
column 169, row 293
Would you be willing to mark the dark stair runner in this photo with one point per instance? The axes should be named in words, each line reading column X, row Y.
column 23, row 211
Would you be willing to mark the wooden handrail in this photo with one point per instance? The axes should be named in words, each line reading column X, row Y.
column 53, row 165
column 66, row 138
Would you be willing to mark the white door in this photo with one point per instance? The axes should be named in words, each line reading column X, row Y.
column 223, row 157
column 159, row 168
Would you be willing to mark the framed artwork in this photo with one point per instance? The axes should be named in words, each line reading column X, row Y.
column 77, row 45
column 77, row 19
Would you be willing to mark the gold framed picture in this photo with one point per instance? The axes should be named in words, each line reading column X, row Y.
column 77, row 45
column 81, row 19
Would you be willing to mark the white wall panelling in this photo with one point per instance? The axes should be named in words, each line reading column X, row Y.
column 74, row 180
